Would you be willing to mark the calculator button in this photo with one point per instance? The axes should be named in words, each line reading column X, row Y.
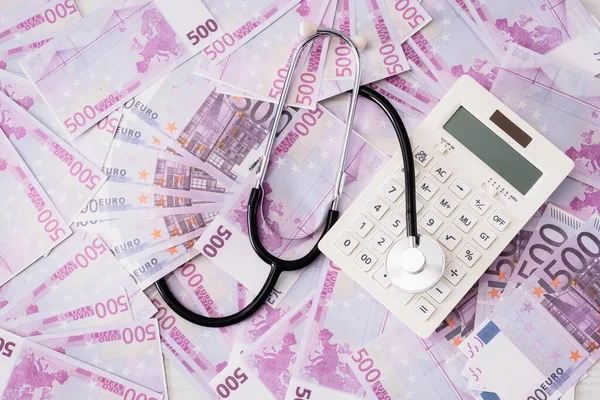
column 361, row 225
column 460, row 188
column 402, row 296
column 499, row 220
column 346, row 243
column 377, row 208
column 439, row 292
column 440, row 172
column 479, row 204
column 381, row 242
column 419, row 206
column 446, row 204
column 365, row 259
column 465, row 221
column 392, row 190
column 468, row 255
column 422, row 156
column 450, row 238
column 431, row 222
column 382, row 278
column 427, row 188
column 454, row 273
column 395, row 224
column 400, row 173
column 423, row 309
column 484, row 236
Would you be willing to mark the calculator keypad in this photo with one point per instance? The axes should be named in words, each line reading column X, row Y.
column 464, row 221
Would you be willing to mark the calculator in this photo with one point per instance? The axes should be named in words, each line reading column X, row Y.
column 481, row 174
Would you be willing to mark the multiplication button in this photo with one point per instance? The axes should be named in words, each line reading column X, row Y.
column 377, row 208
column 346, row 243
column 361, row 225
column 422, row 309
column 365, row 259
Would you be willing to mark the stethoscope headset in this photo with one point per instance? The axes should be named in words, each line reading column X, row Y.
column 412, row 261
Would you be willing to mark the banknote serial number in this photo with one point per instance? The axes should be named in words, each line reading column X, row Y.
column 6, row 347
column 231, row 383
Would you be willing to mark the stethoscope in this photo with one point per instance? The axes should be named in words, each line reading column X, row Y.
column 414, row 264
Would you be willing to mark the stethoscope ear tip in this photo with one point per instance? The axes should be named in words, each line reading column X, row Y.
column 360, row 42
column 307, row 29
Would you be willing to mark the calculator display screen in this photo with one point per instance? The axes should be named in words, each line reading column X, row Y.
column 492, row 150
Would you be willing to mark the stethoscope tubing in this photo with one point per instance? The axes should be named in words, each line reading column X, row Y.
column 276, row 265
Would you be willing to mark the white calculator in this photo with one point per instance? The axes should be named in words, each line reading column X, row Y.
column 482, row 172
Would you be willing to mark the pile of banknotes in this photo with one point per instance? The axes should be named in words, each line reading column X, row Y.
column 132, row 130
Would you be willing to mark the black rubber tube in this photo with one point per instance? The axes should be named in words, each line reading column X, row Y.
column 407, row 157
column 278, row 265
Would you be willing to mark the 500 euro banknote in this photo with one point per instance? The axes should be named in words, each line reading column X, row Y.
column 80, row 265
column 76, row 73
column 32, row 215
column 30, row 369
column 270, row 53
column 242, row 22
column 93, row 145
column 553, row 98
column 540, row 315
column 84, row 311
column 36, row 19
column 344, row 319
column 69, row 178
column 130, row 350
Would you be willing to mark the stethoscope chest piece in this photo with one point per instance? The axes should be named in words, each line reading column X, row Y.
column 415, row 268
